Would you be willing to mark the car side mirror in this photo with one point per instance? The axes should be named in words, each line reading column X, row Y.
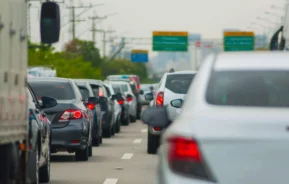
column 177, row 103
column 155, row 116
column 48, row 102
column 102, row 99
column 141, row 92
column 149, row 96
column 92, row 100
column 50, row 22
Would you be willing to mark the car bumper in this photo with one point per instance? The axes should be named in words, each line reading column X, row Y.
column 154, row 132
column 70, row 138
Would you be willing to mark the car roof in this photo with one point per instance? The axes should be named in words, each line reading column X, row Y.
column 119, row 82
column 182, row 72
column 50, row 79
column 252, row 61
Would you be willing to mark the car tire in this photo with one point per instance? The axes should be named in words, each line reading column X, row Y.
column 37, row 165
column 100, row 140
column 82, row 155
column 90, row 151
column 133, row 119
column 44, row 171
column 152, row 143
column 107, row 133
column 126, row 121
column 117, row 129
column 96, row 141
column 113, row 130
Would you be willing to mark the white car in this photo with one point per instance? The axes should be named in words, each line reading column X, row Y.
column 117, row 108
column 132, row 100
column 233, row 127
column 173, row 85
column 144, row 89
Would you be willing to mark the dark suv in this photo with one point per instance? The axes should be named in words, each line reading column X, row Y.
column 70, row 120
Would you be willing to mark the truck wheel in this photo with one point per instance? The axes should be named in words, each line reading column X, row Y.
column 82, row 155
column 9, row 163
column 90, row 150
column 153, row 143
column 44, row 171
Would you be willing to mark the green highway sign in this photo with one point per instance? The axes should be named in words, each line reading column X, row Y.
column 239, row 41
column 170, row 41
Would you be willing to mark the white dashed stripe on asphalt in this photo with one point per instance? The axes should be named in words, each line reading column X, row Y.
column 137, row 141
column 127, row 156
column 144, row 130
column 110, row 181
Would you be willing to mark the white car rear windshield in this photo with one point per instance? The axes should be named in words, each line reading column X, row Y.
column 249, row 88
column 179, row 83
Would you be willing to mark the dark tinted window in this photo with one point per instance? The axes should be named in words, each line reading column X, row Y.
column 179, row 83
column 108, row 91
column 249, row 88
column 57, row 90
column 116, row 89
column 84, row 91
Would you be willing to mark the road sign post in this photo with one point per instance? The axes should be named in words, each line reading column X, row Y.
column 139, row 56
column 239, row 41
column 170, row 41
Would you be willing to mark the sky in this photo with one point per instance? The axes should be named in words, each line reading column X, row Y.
column 138, row 18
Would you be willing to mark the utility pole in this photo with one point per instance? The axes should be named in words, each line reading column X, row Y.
column 73, row 17
column 93, row 26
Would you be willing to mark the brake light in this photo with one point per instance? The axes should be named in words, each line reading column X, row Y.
column 160, row 99
column 71, row 114
column 100, row 92
column 184, row 157
column 90, row 106
column 157, row 128
column 129, row 99
column 120, row 102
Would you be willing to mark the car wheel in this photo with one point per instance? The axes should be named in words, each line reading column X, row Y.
column 133, row 119
column 100, row 139
column 44, row 171
column 117, row 129
column 90, row 150
column 95, row 141
column 107, row 133
column 113, row 130
column 82, row 155
column 152, row 143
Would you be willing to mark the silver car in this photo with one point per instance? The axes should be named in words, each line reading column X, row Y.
column 132, row 100
column 233, row 127
column 173, row 85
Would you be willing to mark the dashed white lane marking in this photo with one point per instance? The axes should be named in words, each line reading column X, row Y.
column 127, row 156
column 137, row 141
column 110, row 181
column 144, row 130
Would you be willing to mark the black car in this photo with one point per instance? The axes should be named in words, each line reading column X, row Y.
column 106, row 104
column 39, row 137
column 87, row 93
column 70, row 119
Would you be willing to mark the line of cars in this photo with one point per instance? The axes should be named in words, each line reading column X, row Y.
column 232, row 124
column 73, row 115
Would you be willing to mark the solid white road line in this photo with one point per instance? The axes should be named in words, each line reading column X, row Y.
column 137, row 141
column 144, row 130
column 110, row 181
column 127, row 156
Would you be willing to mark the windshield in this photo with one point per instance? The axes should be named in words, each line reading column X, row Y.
column 55, row 89
column 179, row 83
column 249, row 88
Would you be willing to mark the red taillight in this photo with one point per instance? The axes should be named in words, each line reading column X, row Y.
column 184, row 157
column 129, row 99
column 71, row 114
column 160, row 99
column 90, row 106
column 157, row 128
column 100, row 92
column 183, row 149
column 120, row 102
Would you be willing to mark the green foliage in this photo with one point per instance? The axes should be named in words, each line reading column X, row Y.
column 80, row 59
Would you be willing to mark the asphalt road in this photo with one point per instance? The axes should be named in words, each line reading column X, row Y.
column 121, row 159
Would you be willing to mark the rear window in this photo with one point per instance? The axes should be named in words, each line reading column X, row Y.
column 249, row 88
column 179, row 83
column 124, row 88
column 57, row 90
column 95, row 89
column 116, row 89
column 84, row 91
